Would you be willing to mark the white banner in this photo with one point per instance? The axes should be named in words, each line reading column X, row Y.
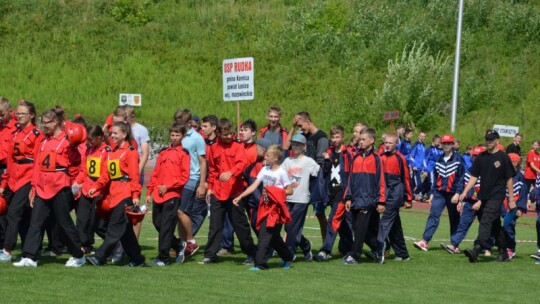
column 506, row 131
column 130, row 99
column 238, row 79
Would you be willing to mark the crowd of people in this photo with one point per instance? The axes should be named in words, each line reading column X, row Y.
column 248, row 182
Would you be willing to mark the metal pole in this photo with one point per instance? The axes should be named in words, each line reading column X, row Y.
column 456, row 68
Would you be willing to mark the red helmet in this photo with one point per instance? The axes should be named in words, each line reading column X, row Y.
column 76, row 133
column 134, row 214
column 3, row 205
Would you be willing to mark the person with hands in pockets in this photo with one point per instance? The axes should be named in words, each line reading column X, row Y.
column 121, row 174
column 51, row 192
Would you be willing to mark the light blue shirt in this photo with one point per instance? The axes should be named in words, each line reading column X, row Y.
column 193, row 142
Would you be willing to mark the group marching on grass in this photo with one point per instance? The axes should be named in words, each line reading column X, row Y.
column 249, row 181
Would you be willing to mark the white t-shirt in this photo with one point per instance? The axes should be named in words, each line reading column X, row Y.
column 277, row 178
column 299, row 171
column 140, row 134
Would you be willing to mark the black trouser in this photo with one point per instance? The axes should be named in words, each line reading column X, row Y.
column 271, row 238
column 119, row 228
column 18, row 216
column 365, row 225
column 60, row 206
column 489, row 216
column 165, row 219
column 54, row 236
column 239, row 220
column 85, row 209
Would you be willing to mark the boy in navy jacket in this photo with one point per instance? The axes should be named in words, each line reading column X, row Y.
column 365, row 195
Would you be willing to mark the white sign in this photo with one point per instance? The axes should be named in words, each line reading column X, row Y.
column 130, row 99
column 506, row 131
column 238, row 79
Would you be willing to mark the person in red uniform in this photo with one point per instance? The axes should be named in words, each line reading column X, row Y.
column 226, row 161
column 532, row 164
column 51, row 192
column 165, row 190
column 121, row 174
column 19, row 148
column 90, row 169
column 7, row 124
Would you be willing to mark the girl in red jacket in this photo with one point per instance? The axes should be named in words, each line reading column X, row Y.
column 51, row 192
column 273, row 211
column 165, row 190
column 15, row 185
column 121, row 174
column 90, row 169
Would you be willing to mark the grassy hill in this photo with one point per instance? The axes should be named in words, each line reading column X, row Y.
column 343, row 61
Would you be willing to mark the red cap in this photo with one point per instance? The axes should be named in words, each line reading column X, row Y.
column 477, row 150
column 514, row 157
column 447, row 138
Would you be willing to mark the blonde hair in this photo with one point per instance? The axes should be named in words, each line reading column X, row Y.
column 275, row 150
column 4, row 104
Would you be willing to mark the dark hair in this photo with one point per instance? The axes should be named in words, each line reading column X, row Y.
column 250, row 124
column 304, row 116
column 121, row 112
column 436, row 136
column 224, row 124
column 94, row 131
column 337, row 129
column 124, row 127
column 59, row 111
column 181, row 128
column 211, row 119
column 369, row 132
column 79, row 120
column 407, row 131
column 31, row 109
column 182, row 116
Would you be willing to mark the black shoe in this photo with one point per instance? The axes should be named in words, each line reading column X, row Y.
column 136, row 264
column 472, row 254
column 94, row 261
column 503, row 256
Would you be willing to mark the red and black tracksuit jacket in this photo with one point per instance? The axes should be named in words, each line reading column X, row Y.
column 366, row 187
column 396, row 177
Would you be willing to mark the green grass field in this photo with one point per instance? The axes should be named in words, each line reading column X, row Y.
column 430, row 277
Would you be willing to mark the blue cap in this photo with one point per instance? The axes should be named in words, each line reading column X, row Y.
column 299, row 138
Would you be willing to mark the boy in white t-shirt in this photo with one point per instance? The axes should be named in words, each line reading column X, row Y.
column 273, row 212
column 300, row 169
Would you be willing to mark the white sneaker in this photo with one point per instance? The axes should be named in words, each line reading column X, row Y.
column 25, row 262
column 75, row 262
column 5, row 257
column 118, row 253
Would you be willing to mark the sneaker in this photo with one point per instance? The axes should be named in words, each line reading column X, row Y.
column 135, row 264
column 450, row 249
column 511, row 253
column 206, row 261
column 25, row 262
column 225, row 251
column 503, row 257
column 487, row 253
column 308, row 255
column 422, row 245
column 249, row 261
column 191, row 248
column 401, row 259
column 379, row 259
column 254, row 268
column 159, row 263
column 350, row 261
column 537, row 262
column 50, row 253
column 5, row 257
column 118, row 253
column 94, row 261
column 75, row 262
column 472, row 254
column 536, row 256
column 322, row 256
column 181, row 253
column 287, row 265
